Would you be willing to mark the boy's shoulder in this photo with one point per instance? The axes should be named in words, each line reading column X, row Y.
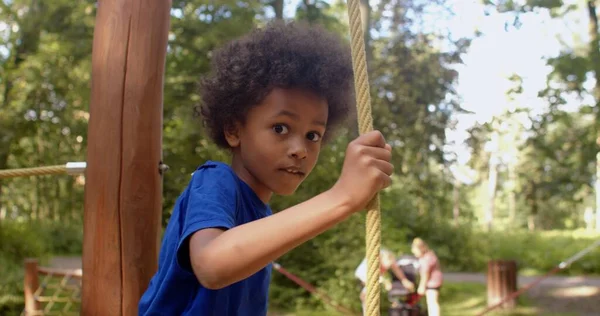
column 214, row 170
column 217, row 166
column 214, row 177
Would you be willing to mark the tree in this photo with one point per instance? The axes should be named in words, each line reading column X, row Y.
column 574, row 65
column 43, row 106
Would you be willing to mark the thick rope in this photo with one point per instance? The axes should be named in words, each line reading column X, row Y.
column 365, row 124
column 37, row 171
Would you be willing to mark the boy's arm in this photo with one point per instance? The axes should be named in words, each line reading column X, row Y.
column 220, row 258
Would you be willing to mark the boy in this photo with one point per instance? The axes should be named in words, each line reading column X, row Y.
column 274, row 96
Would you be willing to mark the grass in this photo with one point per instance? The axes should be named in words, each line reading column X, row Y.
column 539, row 252
column 456, row 299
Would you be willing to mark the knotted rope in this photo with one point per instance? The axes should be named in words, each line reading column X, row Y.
column 365, row 124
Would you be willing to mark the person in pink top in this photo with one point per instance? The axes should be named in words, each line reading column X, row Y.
column 431, row 277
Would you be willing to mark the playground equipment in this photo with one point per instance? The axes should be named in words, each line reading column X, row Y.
column 124, row 167
column 57, row 293
column 123, row 193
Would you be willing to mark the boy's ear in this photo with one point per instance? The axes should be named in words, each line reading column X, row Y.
column 232, row 135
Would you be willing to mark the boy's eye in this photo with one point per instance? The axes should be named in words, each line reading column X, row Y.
column 280, row 129
column 313, row 136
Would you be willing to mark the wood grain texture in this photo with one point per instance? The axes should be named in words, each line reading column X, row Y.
column 31, row 285
column 123, row 193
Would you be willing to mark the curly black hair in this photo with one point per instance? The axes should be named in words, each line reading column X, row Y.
column 281, row 55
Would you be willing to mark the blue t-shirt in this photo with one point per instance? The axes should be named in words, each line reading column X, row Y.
column 214, row 198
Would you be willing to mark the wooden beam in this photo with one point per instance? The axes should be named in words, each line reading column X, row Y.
column 32, row 283
column 123, row 192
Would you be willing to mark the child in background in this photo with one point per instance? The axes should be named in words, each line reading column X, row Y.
column 273, row 98
column 431, row 278
column 387, row 262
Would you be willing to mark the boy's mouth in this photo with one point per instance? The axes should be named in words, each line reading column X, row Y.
column 293, row 171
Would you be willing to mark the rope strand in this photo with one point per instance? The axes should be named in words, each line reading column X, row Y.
column 68, row 168
column 365, row 124
column 37, row 171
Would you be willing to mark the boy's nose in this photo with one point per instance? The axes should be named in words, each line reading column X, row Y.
column 298, row 150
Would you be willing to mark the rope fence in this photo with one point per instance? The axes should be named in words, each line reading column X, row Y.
column 307, row 286
column 58, row 293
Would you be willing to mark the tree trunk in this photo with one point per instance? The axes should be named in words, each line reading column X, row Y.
column 278, row 7
column 492, row 180
column 595, row 47
column 533, row 205
column 27, row 44
column 597, row 188
column 456, row 201
column 588, row 218
column 531, row 222
column 3, row 165
column 512, row 199
column 595, row 59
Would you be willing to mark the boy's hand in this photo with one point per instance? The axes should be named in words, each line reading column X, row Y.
column 366, row 170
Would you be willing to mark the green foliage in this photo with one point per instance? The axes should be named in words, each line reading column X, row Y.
column 329, row 261
column 11, row 287
column 44, row 96
column 20, row 241
column 463, row 299
column 31, row 239
column 557, row 164
column 42, row 105
column 571, row 69
column 553, row 161
column 538, row 253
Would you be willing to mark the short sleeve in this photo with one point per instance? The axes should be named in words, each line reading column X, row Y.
column 211, row 203
column 427, row 263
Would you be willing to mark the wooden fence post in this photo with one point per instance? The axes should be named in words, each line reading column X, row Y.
column 123, row 190
column 31, row 286
column 501, row 282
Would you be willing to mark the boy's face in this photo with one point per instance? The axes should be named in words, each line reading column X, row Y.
column 279, row 143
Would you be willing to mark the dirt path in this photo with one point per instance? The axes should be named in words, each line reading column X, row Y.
column 552, row 281
column 577, row 295
column 66, row 262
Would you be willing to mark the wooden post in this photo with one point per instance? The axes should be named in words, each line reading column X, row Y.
column 31, row 286
column 501, row 282
column 123, row 192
